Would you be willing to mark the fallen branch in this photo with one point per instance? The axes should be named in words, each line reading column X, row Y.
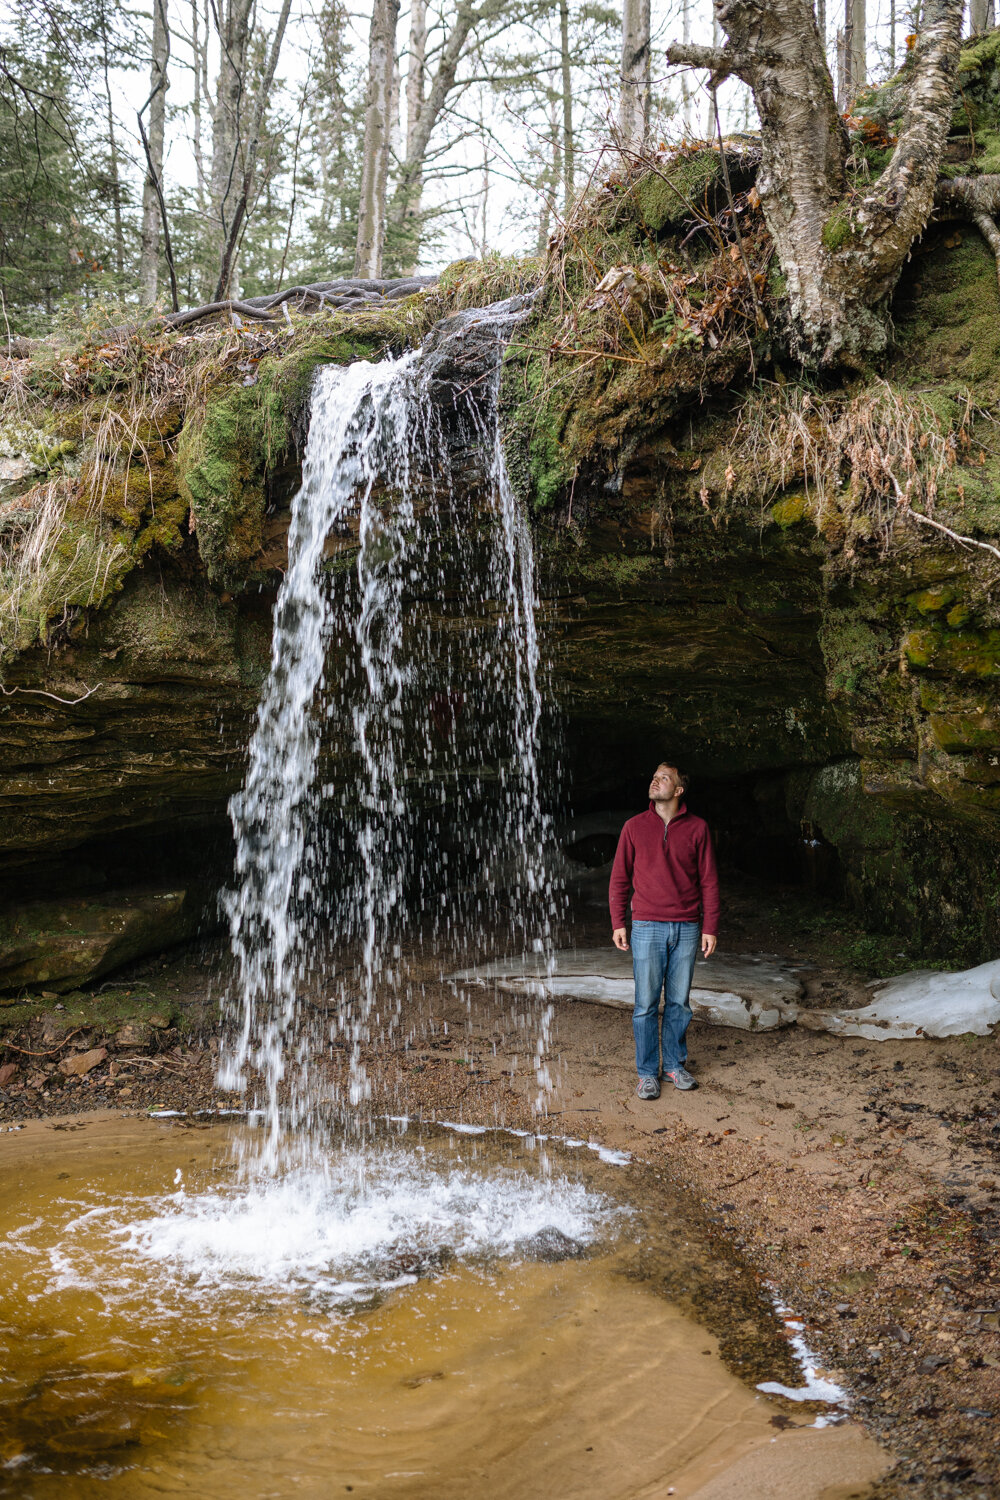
column 40, row 693
column 26, row 1052
column 967, row 541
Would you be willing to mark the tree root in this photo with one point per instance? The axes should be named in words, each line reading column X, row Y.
column 976, row 199
column 353, row 293
column 966, row 541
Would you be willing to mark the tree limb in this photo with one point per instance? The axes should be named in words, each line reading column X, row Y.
column 721, row 62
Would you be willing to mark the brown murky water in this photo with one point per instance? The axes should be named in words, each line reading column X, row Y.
column 214, row 1352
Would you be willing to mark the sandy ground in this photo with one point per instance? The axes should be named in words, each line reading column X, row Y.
column 860, row 1179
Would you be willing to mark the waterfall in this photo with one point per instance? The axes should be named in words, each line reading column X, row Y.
column 405, row 653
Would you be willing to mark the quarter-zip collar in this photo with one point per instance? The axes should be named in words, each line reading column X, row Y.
column 681, row 812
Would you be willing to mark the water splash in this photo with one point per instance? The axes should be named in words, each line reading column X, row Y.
column 394, row 793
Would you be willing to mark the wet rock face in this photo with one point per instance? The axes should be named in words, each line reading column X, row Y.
column 854, row 715
column 136, row 724
column 61, row 945
column 463, row 350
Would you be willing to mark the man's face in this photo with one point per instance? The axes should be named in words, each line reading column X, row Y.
column 666, row 783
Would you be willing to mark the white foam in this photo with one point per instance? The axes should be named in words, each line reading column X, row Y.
column 334, row 1226
column 816, row 1387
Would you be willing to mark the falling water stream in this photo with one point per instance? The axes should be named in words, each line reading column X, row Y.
column 345, row 1305
column 419, row 662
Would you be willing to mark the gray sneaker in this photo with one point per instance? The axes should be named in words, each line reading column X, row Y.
column 648, row 1089
column 681, row 1078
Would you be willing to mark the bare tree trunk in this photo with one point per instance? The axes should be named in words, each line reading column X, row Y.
column 841, row 255
column 248, row 151
column 416, row 69
column 569, row 140
column 855, row 48
column 149, row 253
column 233, row 22
column 981, row 16
column 375, row 160
column 418, row 138
column 685, row 86
column 633, row 111
column 820, row 25
column 199, row 54
column 116, row 186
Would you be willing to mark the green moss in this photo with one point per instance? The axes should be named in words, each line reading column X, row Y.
column 667, row 198
column 228, row 450
column 967, row 653
column 947, row 316
column 789, row 511
column 837, row 230
column 982, row 57
column 931, row 601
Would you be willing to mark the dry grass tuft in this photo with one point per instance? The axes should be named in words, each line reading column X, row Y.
column 864, row 462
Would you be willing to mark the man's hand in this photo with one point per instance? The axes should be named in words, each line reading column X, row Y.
column 707, row 944
column 620, row 939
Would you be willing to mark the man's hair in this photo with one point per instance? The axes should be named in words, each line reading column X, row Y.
column 682, row 776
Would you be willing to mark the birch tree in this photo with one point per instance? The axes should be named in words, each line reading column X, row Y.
column 840, row 252
column 232, row 20
column 375, row 151
column 633, row 112
column 152, row 190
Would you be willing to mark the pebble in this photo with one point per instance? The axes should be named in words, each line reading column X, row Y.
column 82, row 1062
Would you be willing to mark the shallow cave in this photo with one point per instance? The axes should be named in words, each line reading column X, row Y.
column 837, row 726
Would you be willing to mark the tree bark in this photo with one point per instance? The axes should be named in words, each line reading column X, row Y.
column 149, row 252
column 233, row 21
column 855, row 47
column 569, row 141
column 410, row 179
column 199, row 69
column 375, row 160
column 115, row 174
column 840, row 253
column 248, row 152
column 981, row 16
column 633, row 111
column 416, row 73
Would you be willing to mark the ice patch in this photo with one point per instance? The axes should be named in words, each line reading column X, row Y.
column 605, row 1153
column 752, row 992
column 923, row 1003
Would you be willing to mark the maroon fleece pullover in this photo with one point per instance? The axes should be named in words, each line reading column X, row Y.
column 669, row 869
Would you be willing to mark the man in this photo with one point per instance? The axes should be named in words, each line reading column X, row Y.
column 666, row 863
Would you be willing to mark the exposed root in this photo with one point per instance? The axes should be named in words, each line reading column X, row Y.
column 976, row 199
column 966, row 541
column 353, row 294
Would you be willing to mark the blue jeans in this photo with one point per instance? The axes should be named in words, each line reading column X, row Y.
column 662, row 952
